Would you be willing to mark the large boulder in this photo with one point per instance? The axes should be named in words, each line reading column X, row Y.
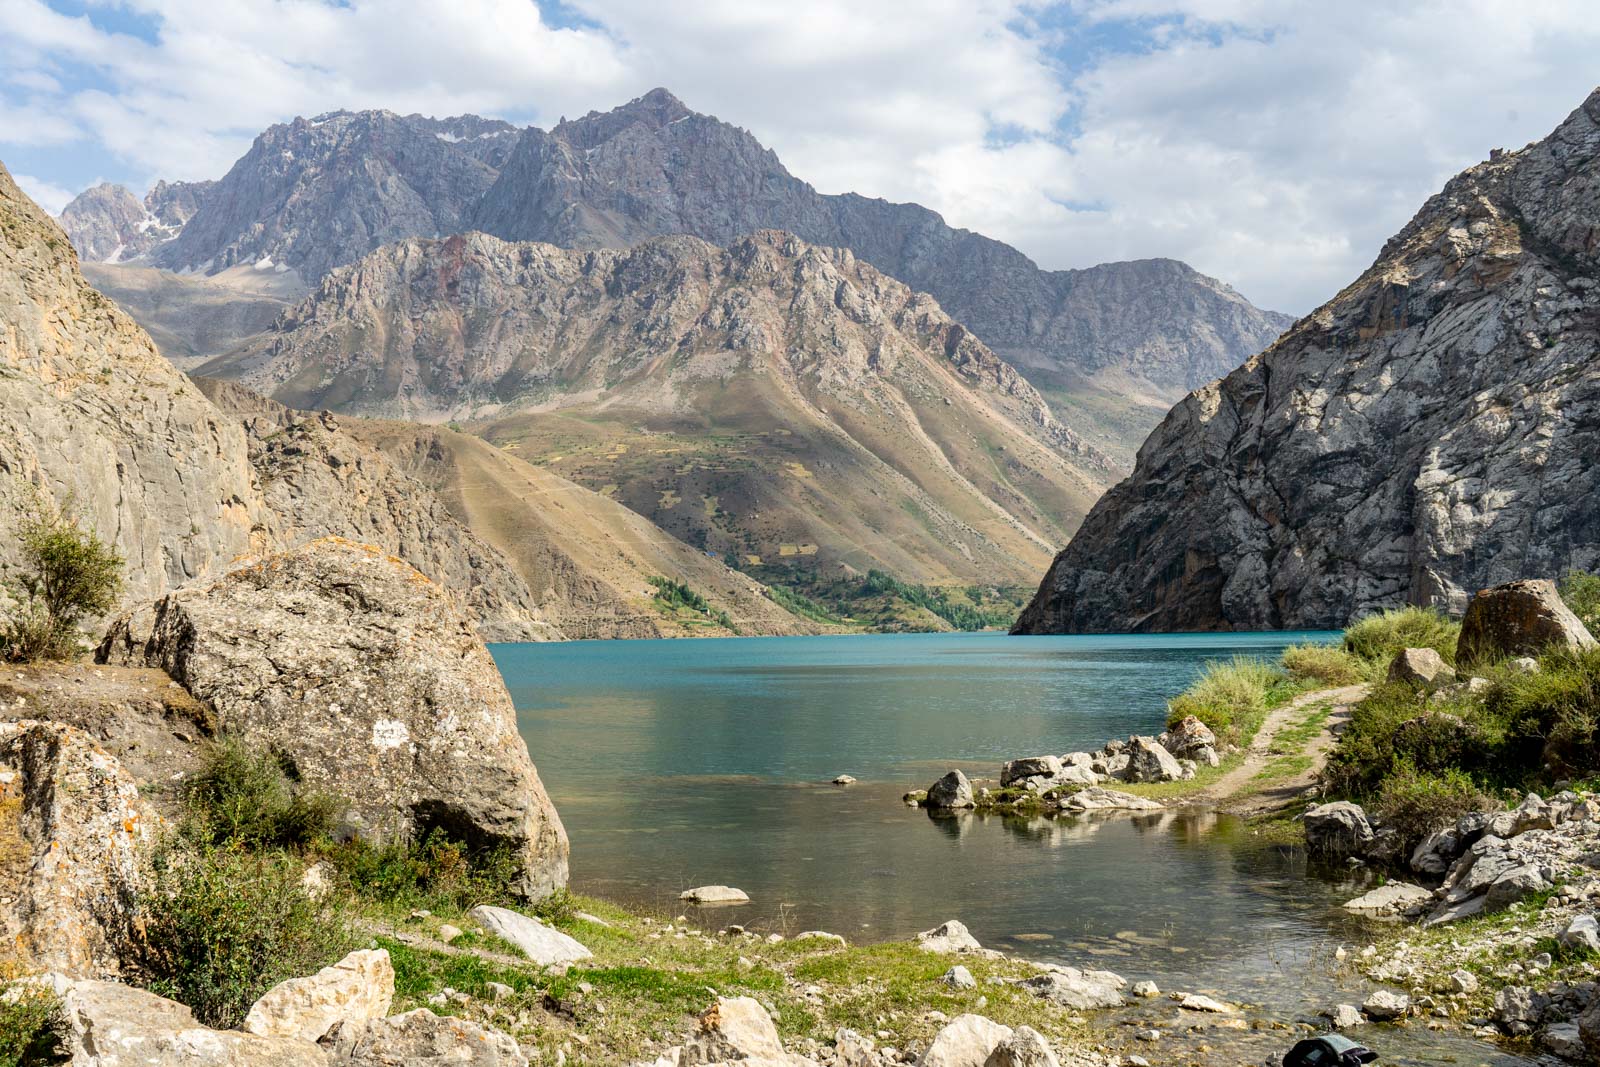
column 1522, row 618
column 734, row 1028
column 951, row 792
column 1337, row 830
column 421, row 1039
column 1026, row 1047
column 367, row 678
column 1078, row 989
column 357, row 988
column 1422, row 667
column 114, row 1025
column 72, row 829
column 1149, row 762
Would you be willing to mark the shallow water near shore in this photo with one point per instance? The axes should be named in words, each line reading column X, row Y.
column 682, row 763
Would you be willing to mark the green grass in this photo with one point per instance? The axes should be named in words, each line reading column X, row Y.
column 1376, row 638
column 1288, row 754
column 681, row 603
column 1232, row 697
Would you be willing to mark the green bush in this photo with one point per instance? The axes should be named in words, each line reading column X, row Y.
column 433, row 872
column 1416, row 803
column 31, row 1027
column 1376, row 638
column 221, row 926
column 1398, row 724
column 247, row 798
column 1548, row 717
column 1329, row 665
column 68, row 574
column 1230, row 696
column 1582, row 594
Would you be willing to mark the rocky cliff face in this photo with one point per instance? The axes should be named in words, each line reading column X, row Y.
column 1429, row 431
column 654, row 167
column 321, row 482
column 109, row 224
column 91, row 412
column 316, row 193
column 847, row 391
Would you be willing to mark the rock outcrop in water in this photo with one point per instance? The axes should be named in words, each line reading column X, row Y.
column 1429, row 431
column 338, row 656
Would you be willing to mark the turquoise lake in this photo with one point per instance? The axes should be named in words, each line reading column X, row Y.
column 681, row 763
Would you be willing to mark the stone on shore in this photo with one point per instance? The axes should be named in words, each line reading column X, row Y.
column 1393, row 898
column 1422, row 667
column 1522, row 618
column 1026, row 1047
column 1346, row 1017
column 1385, row 1006
column 1149, row 762
column 949, row 936
column 420, row 1038
column 1200, row 1002
column 950, row 792
column 715, row 894
column 958, row 977
column 820, row 935
column 1188, row 739
column 1074, row 988
column 72, row 830
column 1096, row 798
column 366, row 676
column 1582, row 932
column 1030, row 767
column 1337, row 830
column 734, row 1028
column 966, row 1041
column 543, row 945
column 357, row 988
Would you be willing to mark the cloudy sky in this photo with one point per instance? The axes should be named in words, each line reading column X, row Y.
column 1273, row 143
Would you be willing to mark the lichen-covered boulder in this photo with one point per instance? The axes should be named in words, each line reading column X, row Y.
column 72, row 828
column 114, row 1025
column 357, row 988
column 367, row 678
column 1521, row 618
column 420, row 1038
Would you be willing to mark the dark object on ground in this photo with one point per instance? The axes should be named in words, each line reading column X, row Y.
column 1328, row 1050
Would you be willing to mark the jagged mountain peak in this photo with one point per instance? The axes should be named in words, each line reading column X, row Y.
column 1428, row 431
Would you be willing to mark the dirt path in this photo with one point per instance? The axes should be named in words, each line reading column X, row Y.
column 1242, row 790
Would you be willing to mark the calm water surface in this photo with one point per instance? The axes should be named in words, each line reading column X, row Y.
column 680, row 763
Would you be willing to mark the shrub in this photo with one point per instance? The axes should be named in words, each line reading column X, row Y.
column 1230, row 696
column 246, row 798
column 1416, row 803
column 1582, row 594
column 68, row 573
column 433, row 872
column 31, row 1027
column 1398, row 724
column 1548, row 717
column 1377, row 638
column 221, row 926
column 1326, row 664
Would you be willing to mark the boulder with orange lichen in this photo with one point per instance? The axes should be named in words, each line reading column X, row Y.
column 72, row 828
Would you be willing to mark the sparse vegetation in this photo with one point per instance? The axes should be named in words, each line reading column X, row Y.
column 1581, row 592
column 1323, row 664
column 31, row 1026
column 246, row 798
column 67, row 574
column 676, row 599
column 878, row 601
column 1232, row 697
column 1376, row 638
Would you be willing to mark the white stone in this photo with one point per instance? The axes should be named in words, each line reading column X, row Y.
column 966, row 1041
column 540, row 943
column 357, row 988
column 715, row 894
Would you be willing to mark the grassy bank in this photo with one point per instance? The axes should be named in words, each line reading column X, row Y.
column 250, row 888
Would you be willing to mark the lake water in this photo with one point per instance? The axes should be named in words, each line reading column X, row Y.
column 682, row 763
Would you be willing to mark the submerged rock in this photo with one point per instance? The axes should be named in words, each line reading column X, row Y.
column 365, row 676
column 1097, row 799
column 1522, row 618
column 715, row 894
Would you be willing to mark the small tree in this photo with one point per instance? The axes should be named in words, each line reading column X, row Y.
column 68, row 574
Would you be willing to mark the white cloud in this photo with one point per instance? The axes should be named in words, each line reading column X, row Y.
column 1273, row 144
column 47, row 195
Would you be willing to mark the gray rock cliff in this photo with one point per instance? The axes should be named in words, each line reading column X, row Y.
column 1429, row 431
